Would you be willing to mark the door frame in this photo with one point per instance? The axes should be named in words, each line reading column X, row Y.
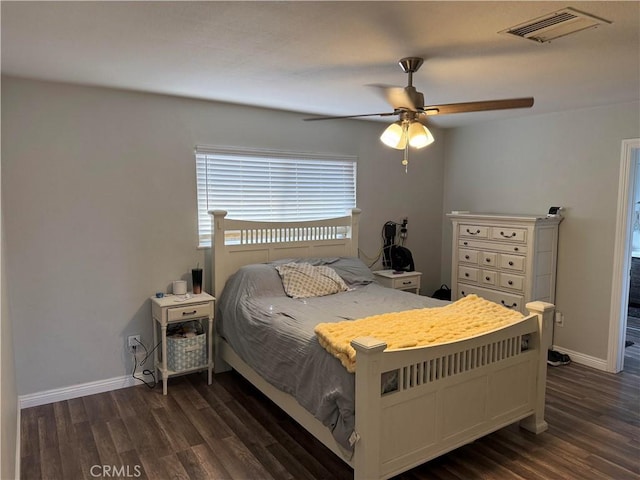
column 622, row 257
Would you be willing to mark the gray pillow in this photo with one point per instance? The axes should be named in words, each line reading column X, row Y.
column 260, row 280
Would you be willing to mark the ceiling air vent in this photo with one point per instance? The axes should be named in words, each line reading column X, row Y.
column 554, row 25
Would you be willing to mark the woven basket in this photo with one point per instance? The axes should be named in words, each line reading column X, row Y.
column 185, row 353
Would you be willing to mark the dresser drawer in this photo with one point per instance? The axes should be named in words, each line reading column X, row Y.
column 508, row 233
column 489, row 259
column 514, row 302
column 489, row 277
column 476, row 231
column 468, row 273
column 512, row 282
column 492, row 245
column 188, row 312
column 512, row 262
column 468, row 256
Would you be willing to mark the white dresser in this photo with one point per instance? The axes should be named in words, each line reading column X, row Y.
column 508, row 259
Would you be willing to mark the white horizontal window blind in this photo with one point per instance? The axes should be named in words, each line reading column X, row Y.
column 272, row 185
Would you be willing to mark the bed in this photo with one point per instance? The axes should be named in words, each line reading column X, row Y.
column 441, row 396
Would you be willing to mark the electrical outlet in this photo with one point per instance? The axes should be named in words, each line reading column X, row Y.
column 559, row 319
column 403, row 228
column 133, row 341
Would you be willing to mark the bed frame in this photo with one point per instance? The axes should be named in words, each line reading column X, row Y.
column 447, row 395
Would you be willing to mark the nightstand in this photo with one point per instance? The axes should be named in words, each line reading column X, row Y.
column 400, row 281
column 174, row 309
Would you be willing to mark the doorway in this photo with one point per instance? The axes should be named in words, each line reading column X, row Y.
column 624, row 243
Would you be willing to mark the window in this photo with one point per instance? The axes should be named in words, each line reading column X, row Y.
column 272, row 185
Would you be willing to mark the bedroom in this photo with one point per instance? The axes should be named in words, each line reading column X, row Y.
column 98, row 197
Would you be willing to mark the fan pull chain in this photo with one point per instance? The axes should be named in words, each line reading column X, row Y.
column 405, row 160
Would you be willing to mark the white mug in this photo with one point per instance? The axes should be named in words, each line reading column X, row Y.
column 179, row 287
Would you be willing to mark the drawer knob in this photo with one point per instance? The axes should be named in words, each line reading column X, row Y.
column 487, row 279
column 515, row 249
column 465, row 243
column 510, row 282
column 466, row 274
column 463, row 294
column 513, row 234
column 407, row 283
column 189, row 313
column 510, row 263
column 473, row 233
column 466, row 257
column 488, row 260
column 513, row 305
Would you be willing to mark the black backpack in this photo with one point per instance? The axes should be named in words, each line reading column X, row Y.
column 443, row 293
column 401, row 259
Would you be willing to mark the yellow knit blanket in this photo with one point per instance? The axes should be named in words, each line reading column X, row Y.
column 461, row 319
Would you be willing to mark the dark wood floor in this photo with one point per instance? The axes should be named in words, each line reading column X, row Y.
column 230, row 431
column 633, row 327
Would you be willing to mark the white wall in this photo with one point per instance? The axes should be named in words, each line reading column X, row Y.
column 9, row 413
column 99, row 203
column 526, row 165
column 98, row 199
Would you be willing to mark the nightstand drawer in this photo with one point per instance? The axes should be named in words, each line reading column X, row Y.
column 402, row 283
column 188, row 312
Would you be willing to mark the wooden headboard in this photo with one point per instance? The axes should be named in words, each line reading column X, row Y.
column 243, row 242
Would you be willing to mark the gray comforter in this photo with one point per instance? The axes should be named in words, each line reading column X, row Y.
column 274, row 334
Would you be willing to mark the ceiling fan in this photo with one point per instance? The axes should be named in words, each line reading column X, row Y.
column 408, row 105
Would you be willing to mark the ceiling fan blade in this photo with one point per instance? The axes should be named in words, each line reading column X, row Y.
column 385, row 114
column 481, row 106
column 399, row 98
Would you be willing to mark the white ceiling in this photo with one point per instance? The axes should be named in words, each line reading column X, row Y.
column 323, row 57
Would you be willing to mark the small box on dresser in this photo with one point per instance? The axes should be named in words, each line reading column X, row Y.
column 508, row 259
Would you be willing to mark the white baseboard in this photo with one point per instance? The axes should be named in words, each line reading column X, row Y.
column 582, row 359
column 75, row 391
column 100, row 386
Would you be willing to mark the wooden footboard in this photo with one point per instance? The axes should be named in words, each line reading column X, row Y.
column 448, row 395
column 442, row 397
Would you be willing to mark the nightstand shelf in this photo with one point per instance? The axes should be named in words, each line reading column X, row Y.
column 407, row 281
column 176, row 309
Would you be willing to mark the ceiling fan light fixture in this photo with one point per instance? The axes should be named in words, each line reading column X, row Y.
column 419, row 135
column 394, row 136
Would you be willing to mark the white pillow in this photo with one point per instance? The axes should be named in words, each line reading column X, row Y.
column 303, row 280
